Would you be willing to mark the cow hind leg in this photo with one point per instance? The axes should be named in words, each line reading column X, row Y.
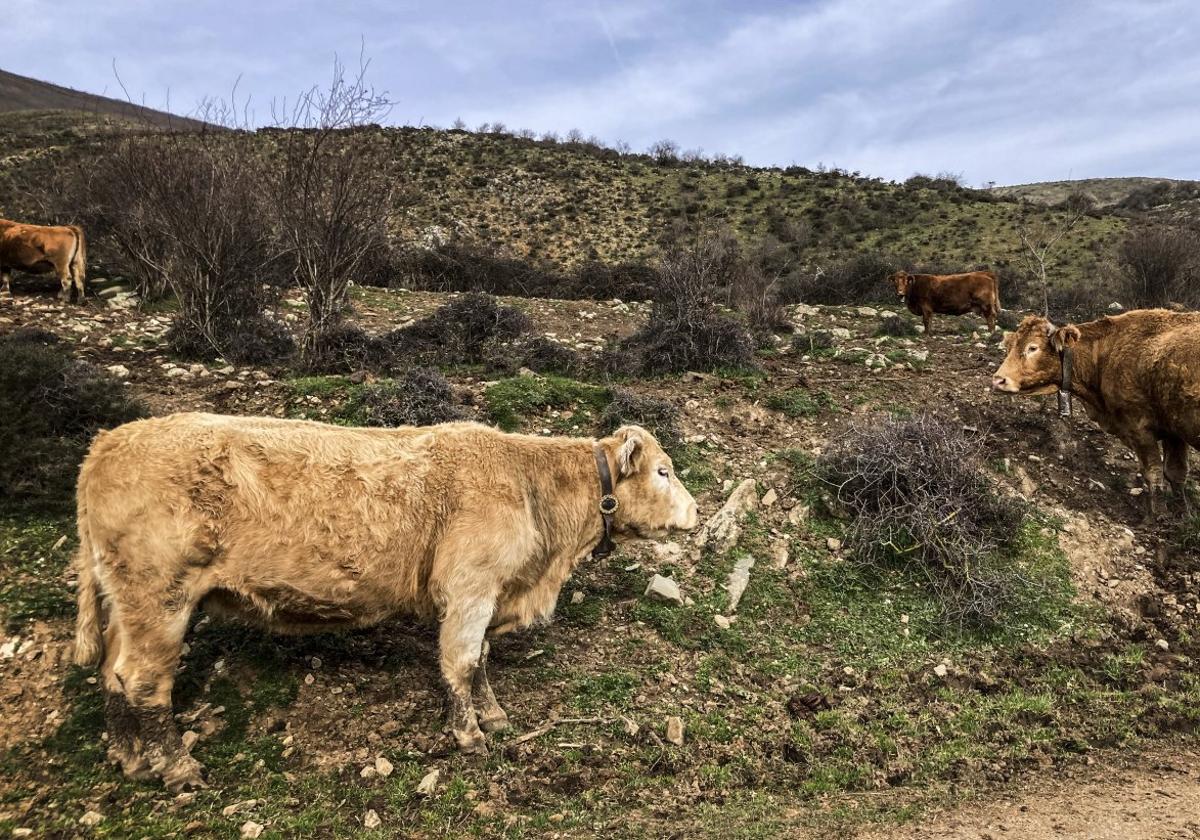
column 1175, row 466
column 5, row 284
column 1150, row 457
column 492, row 718
column 65, row 282
column 146, row 671
column 460, row 641
column 124, row 733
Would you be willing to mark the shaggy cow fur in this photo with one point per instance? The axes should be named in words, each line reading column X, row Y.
column 40, row 250
column 1138, row 375
column 949, row 294
column 297, row 526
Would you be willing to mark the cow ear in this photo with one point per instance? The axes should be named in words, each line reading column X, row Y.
column 1009, row 337
column 1064, row 337
column 631, row 443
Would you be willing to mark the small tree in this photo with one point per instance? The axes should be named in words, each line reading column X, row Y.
column 1041, row 235
column 1159, row 266
column 331, row 195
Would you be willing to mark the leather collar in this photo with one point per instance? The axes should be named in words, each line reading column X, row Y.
column 608, row 505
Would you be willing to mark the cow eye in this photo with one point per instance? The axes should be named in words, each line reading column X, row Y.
column 1031, row 349
column 664, row 472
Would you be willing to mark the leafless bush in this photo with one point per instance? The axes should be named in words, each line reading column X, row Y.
column 420, row 397
column 685, row 330
column 918, row 496
column 186, row 211
column 331, row 196
column 664, row 152
column 1159, row 266
column 463, row 331
column 660, row 417
column 896, row 326
column 860, row 279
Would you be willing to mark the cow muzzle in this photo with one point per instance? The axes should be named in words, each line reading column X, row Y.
column 1004, row 385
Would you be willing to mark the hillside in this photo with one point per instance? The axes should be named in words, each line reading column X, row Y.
column 1106, row 192
column 562, row 204
column 20, row 93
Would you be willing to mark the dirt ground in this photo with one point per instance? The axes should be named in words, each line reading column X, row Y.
column 1145, row 797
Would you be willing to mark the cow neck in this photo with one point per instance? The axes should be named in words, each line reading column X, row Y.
column 1083, row 377
column 582, row 527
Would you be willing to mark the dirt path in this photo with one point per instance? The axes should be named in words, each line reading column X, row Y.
column 1157, row 796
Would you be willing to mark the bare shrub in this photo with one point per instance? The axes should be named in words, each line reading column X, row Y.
column 52, row 405
column 1159, row 266
column 896, row 326
column 459, row 332
column 187, row 211
column 331, row 196
column 859, row 279
column 685, row 330
column 660, row 417
column 917, row 494
column 813, row 342
column 420, row 397
column 664, row 152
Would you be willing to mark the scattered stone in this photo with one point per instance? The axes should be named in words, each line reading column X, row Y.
column 739, row 579
column 237, row 807
column 371, row 820
column 867, row 311
column 91, row 819
column 675, row 730
column 833, row 544
column 252, row 830
column 1162, row 644
column 368, row 772
column 769, row 498
column 1115, row 307
column 664, row 589
column 779, row 554
column 940, row 669
column 22, row 832
column 383, row 767
column 577, row 597
column 721, row 532
column 840, row 332
column 119, row 371
column 798, row 516
column 722, row 621
column 630, row 726
column 428, row 784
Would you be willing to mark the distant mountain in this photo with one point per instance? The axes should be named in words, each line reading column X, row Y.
column 1106, row 192
column 20, row 93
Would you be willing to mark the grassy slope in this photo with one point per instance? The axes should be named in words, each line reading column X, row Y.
column 1106, row 191
column 20, row 93
column 566, row 204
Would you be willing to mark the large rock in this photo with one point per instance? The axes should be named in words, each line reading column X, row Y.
column 675, row 730
column 721, row 532
column 664, row 589
column 739, row 578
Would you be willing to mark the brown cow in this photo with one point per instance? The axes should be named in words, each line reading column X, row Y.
column 41, row 249
column 1138, row 375
column 296, row 526
column 949, row 294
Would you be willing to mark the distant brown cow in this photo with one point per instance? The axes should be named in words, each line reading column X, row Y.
column 949, row 294
column 296, row 526
column 41, row 249
column 1138, row 375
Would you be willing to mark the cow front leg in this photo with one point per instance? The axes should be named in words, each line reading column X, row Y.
column 1150, row 457
column 5, row 284
column 492, row 718
column 927, row 320
column 460, row 640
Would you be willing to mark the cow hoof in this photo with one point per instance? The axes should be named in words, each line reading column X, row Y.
column 471, row 743
column 184, row 774
column 134, row 766
column 494, row 723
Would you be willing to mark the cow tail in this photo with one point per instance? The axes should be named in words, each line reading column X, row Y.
column 79, row 257
column 89, row 640
column 996, row 295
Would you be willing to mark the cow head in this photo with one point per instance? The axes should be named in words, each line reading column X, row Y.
column 1033, row 364
column 900, row 280
column 652, row 500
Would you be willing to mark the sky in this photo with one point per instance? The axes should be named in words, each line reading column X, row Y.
column 1010, row 91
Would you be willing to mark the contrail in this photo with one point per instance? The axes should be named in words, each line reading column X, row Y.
column 611, row 41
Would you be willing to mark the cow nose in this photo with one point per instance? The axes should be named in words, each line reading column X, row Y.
column 999, row 382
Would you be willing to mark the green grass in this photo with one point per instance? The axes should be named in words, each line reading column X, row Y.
column 800, row 402
column 32, row 586
column 512, row 403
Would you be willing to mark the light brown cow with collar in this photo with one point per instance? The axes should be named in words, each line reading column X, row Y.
column 296, row 526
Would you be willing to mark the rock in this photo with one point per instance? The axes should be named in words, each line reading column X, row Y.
column 667, row 552
column 833, row 544
column 769, row 498
column 722, row 530
column 577, row 597
column 244, row 805
column 675, row 730
column 1162, row 644
column 739, row 578
column 919, row 355
column 779, row 555
column 22, row 832
column 867, row 311
column 91, row 819
column 119, row 371
column 383, row 767
column 1115, row 307
column 368, row 772
column 722, row 621
column 371, row 820
column 251, row 829
column 798, row 516
column 428, row 783
column 887, row 313
column 527, row 373
column 630, row 726
column 804, row 310
column 9, row 649
column 940, row 669
column 840, row 332
column 664, row 589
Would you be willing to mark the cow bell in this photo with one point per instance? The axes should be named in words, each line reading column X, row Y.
column 1064, row 403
